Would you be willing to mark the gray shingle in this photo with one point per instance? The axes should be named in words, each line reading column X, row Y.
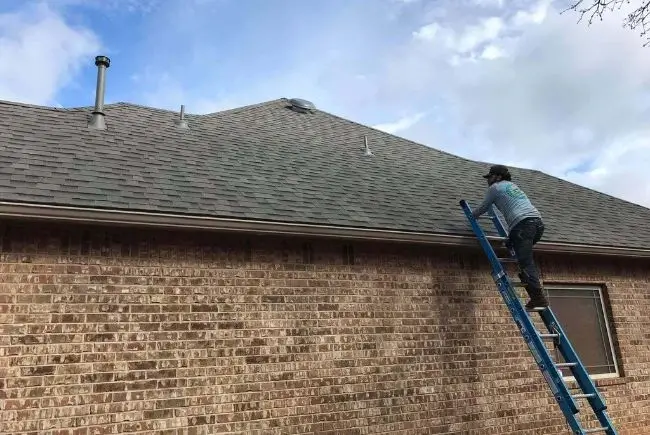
column 268, row 162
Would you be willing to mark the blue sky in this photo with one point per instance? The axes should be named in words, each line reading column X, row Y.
column 497, row 80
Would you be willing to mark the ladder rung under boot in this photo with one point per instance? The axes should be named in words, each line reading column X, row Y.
column 563, row 365
column 598, row 429
column 536, row 309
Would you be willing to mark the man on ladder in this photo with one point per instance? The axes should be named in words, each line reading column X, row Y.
column 525, row 227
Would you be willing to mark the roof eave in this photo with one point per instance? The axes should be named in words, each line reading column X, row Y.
column 165, row 220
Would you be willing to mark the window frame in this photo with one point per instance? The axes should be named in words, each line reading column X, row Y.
column 610, row 341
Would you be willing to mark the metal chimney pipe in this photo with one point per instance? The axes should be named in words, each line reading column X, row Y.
column 181, row 122
column 97, row 117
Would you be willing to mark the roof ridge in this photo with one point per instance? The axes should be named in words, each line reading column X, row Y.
column 599, row 192
column 136, row 105
column 236, row 110
column 246, row 107
column 37, row 106
column 412, row 142
column 456, row 156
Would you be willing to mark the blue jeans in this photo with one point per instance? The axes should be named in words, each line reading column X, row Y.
column 522, row 238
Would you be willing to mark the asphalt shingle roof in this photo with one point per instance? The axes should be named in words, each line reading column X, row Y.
column 270, row 163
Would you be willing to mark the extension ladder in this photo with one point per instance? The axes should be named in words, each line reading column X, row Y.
column 550, row 369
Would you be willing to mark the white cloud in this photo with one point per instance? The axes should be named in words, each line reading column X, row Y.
column 428, row 32
column 537, row 89
column 463, row 41
column 40, row 54
column 492, row 52
column 163, row 91
column 488, row 3
column 401, row 124
column 465, row 44
column 128, row 6
column 536, row 15
column 488, row 30
column 621, row 169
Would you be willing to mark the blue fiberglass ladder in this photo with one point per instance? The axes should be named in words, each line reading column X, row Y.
column 534, row 338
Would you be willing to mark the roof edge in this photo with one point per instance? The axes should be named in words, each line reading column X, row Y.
column 58, row 213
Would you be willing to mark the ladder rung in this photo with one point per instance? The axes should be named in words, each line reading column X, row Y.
column 507, row 260
column 549, row 335
column 583, row 396
column 536, row 309
column 598, row 429
column 562, row 365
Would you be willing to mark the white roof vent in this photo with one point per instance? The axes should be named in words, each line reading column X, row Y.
column 366, row 147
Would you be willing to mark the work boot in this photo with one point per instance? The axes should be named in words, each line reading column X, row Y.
column 537, row 303
column 522, row 278
column 537, row 296
column 537, row 299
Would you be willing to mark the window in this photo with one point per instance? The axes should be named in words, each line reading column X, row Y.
column 582, row 315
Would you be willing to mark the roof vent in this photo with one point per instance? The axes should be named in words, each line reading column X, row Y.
column 301, row 106
column 181, row 122
column 97, row 117
column 367, row 151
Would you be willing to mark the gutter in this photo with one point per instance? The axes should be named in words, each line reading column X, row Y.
column 165, row 220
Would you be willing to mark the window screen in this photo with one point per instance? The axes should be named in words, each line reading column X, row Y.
column 581, row 314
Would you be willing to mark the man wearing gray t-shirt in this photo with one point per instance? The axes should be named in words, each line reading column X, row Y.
column 524, row 224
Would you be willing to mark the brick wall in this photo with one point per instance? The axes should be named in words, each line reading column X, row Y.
column 159, row 332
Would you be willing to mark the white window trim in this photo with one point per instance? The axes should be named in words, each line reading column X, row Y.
column 617, row 373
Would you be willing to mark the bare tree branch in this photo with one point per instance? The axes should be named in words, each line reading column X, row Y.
column 639, row 18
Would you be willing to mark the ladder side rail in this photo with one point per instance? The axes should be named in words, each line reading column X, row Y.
column 606, row 422
column 550, row 372
column 507, row 292
column 501, row 229
column 580, row 373
column 565, row 346
column 498, row 272
column 525, row 325
column 569, row 354
column 482, row 238
column 543, row 359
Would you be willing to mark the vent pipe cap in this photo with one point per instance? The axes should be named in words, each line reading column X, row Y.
column 302, row 106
